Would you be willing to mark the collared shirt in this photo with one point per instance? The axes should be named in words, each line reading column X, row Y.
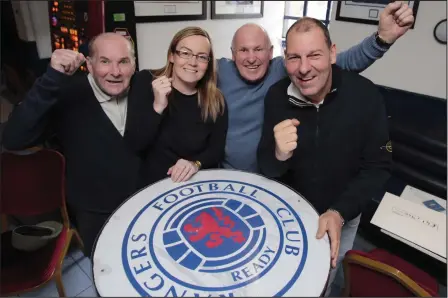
column 115, row 107
column 294, row 94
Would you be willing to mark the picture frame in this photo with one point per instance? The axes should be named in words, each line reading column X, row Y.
column 236, row 9
column 169, row 11
column 367, row 12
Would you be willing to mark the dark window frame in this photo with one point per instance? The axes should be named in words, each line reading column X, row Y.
column 305, row 10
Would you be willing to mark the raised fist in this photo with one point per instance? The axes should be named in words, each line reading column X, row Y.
column 285, row 134
column 395, row 20
column 161, row 88
column 66, row 61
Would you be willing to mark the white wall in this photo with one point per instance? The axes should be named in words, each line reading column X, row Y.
column 416, row 62
column 153, row 38
column 32, row 24
column 41, row 27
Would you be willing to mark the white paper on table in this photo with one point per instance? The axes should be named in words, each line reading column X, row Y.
column 429, row 253
column 413, row 222
column 418, row 196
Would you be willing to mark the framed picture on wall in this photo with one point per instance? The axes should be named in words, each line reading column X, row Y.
column 367, row 12
column 237, row 9
column 169, row 11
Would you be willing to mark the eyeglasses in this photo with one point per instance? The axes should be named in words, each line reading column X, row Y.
column 188, row 55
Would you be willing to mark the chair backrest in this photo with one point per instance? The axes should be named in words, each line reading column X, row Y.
column 32, row 184
column 366, row 277
column 419, row 139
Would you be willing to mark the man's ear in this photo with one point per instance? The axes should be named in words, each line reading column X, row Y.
column 89, row 64
column 333, row 53
column 271, row 52
column 233, row 54
column 135, row 66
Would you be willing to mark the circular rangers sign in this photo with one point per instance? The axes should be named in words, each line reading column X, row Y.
column 223, row 233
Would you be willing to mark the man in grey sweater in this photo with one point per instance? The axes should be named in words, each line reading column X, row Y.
column 246, row 78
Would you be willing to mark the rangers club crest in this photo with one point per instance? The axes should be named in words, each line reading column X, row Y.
column 215, row 238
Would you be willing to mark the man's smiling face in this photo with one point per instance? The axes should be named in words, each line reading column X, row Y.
column 252, row 52
column 112, row 64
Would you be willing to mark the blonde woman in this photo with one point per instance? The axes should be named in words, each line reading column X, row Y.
column 187, row 125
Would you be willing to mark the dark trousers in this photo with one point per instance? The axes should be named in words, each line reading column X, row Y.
column 89, row 225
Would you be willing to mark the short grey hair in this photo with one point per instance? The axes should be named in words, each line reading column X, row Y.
column 232, row 46
column 105, row 34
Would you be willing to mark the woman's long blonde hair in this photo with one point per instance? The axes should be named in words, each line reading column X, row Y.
column 210, row 98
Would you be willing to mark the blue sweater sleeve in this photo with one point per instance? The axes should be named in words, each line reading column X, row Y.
column 358, row 58
column 361, row 56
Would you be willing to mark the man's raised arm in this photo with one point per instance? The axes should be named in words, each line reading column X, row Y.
column 395, row 20
column 29, row 121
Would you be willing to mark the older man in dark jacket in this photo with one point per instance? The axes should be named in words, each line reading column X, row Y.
column 91, row 117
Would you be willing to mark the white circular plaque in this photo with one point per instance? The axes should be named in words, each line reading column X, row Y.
column 222, row 233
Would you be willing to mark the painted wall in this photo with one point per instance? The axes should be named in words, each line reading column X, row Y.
column 153, row 38
column 416, row 62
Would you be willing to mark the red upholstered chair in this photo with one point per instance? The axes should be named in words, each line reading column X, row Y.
column 33, row 185
column 379, row 273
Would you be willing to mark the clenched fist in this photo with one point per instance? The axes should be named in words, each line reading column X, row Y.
column 285, row 134
column 161, row 88
column 66, row 61
column 395, row 20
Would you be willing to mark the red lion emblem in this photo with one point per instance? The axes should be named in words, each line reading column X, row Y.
column 208, row 225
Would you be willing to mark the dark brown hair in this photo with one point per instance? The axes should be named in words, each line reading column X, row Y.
column 305, row 24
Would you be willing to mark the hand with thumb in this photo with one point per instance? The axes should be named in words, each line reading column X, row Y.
column 285, row 135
